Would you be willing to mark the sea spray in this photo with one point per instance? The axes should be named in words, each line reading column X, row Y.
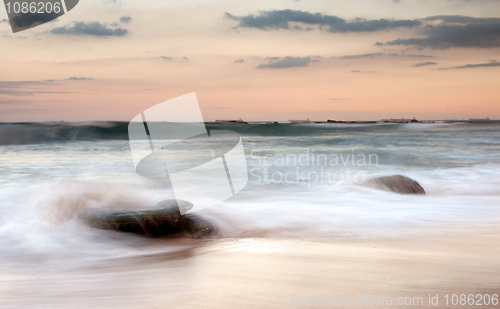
column 46, row 185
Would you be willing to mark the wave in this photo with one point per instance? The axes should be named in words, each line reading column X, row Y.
column 50, row 132
column 54, row 132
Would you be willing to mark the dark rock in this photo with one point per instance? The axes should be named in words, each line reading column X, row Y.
column 398, row 184
column 165, row 220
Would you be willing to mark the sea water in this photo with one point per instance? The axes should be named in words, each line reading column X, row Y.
column 305, row 180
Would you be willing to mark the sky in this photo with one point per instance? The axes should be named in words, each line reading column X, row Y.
column 258, row 60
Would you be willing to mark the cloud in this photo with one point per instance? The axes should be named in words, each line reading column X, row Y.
column 412, row 55
column 173, row 59
column 461, row 19
column 125, row 19
column 435, row 32
column 26, row 88
column 358, row 71
column 283, row 19
column 471, row 66
column 287, row 62
column 80, row 78
column 338, row 99
column 376, row 55
column 443, row 32
column 239, row 61
column 423, row 64
column 19, row 93
column 90, row 28
column 18, row 84
column 372, row 55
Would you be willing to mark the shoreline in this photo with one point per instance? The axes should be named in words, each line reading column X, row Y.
column 267, row 272
column 445, row 261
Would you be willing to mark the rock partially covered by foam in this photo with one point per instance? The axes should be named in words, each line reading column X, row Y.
column 164, row 220
column 398, row 184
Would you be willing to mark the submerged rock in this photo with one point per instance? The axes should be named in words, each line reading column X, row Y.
column 164, row 220
column 398, row 184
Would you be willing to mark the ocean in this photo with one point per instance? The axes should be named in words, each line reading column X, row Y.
column 305, row 181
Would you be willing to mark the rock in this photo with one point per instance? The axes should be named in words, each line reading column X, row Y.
column 398, row 184
column 165, row 220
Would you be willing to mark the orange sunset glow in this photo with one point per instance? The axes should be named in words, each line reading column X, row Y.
column 259, row 60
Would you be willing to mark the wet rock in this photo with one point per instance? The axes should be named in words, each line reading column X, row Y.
column 164, row 220
column 398, row 184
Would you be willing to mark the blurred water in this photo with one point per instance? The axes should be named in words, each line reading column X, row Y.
column 303, row 183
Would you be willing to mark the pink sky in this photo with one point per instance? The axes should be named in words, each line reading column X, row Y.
column 323, row 68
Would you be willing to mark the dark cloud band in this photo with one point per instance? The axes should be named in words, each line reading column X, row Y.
column 90, row 28
column 283, row 19
column 455, row 31
column 439, row 32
